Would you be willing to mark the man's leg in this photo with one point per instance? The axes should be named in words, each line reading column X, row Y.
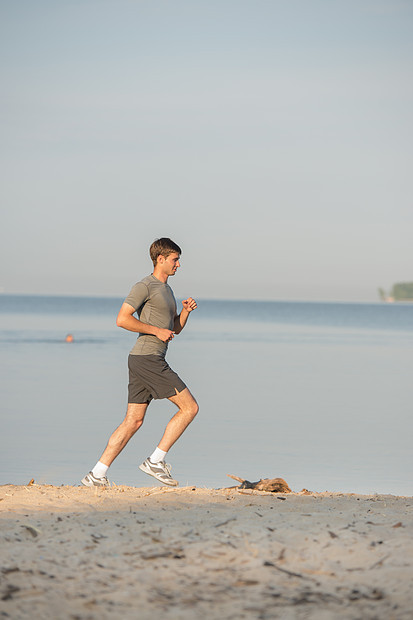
column 133, row 421
column 187, row 410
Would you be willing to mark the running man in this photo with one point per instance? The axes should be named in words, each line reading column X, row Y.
column 149, row 374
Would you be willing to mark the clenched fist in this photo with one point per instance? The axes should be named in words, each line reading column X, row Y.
column 165, row 335
column 189, row 304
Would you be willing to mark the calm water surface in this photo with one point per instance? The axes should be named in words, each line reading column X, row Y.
column 317, row 393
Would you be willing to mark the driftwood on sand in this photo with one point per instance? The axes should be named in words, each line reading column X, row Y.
column 274, row 485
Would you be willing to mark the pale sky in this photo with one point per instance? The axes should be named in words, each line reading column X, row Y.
column 271, row 139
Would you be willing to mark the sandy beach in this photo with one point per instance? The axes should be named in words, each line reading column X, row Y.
column 159, row 552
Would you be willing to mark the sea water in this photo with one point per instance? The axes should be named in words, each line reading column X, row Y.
column 316, row 393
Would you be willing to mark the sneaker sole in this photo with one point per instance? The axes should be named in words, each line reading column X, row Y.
column 90, row 485
column 171, row 483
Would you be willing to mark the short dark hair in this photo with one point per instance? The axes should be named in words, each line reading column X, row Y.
column 163, row 247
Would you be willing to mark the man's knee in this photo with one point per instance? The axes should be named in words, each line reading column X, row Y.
column 135, row 416
column 129, row 426
column 186, row 403
column 192, row 409
column 135, row 425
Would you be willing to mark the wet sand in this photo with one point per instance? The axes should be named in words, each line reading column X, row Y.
column 159, row 552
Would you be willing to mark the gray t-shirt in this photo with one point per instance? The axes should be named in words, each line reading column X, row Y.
column 155, row 304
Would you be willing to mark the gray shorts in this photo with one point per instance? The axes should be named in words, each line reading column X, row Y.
column 151, row 377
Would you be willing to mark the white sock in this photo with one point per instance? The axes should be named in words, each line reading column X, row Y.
column 157, row 455
column 100, row 469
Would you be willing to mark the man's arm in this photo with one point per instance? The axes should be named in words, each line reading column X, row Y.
column 126, row 320
column 180, row 321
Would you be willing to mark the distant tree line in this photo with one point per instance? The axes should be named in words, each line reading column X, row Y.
column 402, row 291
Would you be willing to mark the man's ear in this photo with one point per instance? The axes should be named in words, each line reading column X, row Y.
column 160, row 259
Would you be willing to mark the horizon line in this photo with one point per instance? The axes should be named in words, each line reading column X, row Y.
column 209, row 299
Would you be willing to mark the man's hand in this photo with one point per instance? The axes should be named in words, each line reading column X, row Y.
column 165, row 335
column 189, row 304
column 180, row 321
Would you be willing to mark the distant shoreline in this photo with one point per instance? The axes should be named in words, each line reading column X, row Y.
column 391, row 300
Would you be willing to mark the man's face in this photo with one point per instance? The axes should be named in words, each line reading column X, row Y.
column 170, row 264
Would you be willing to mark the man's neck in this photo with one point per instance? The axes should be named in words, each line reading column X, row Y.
column 159, row 275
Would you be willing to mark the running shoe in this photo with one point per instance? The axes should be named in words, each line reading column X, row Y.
column 161, row 471
column 91, row 481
